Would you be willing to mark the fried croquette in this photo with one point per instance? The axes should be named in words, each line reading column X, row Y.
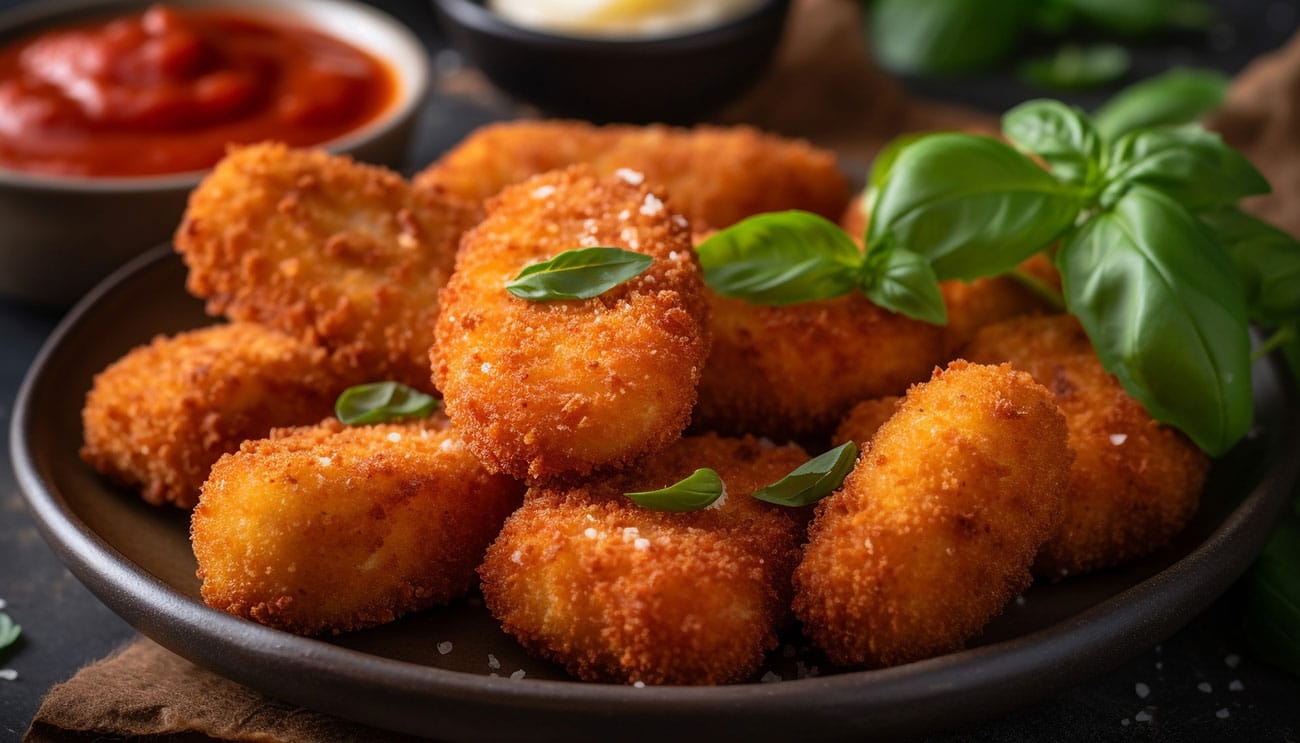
column 1134, row 483
column 972, row 305
column 329, row 528
column 160, row 416
column 615, row 592
column 716, row 176
column 860, row 424
column 339, row 253
column 791, row 372
column 543, row 389
column 936, row 527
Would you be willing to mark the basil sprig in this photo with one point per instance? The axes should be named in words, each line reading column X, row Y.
column 382, row 402
column 812, row 480
column 794, row 256
column 1176, row 97
column 582, row 273
column 699, row 490
column 9, row 631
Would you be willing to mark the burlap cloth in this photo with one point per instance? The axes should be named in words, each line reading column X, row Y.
column 823, row 87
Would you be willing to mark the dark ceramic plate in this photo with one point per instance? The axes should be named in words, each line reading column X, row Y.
column 137, row 560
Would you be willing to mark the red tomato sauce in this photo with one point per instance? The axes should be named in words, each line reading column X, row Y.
column 168, row 90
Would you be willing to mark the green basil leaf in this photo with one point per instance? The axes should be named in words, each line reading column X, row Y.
column 1059, row 134
column 1074, row 67
column 1166, row 313
column 697, row 491
column 1189, row 164
column 1179, row 96
column 884, row 164
column 812, row 480
column 382, row 402
column 9, row 631
column 781, row 258
column 972, row 206
column 1272, row 615
column 582, row 273
column 902, row 281
column 1267, row 260
column 945, row 36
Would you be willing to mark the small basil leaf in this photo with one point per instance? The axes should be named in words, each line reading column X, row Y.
column 1272, row 615
column 902, row 281
column 1267, row 260
column 9, row 631
column 812, row 480
column 382, row 402
column 972, row 206
column 1074, row 67
column 1166, row 313
column 1189, row 164
column 1179, row 96
column 781, row 258
column 582, row 273
column 1059, row 134
column 945, row 36
column 697, row 491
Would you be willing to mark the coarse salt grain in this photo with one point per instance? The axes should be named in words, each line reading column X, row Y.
column 1235, row 686
column 628, row 175
column 1159, row 665
column 680, row 221
column 1020, row 601
column 485, row 367
column 394, row 437
column 542, row 192
column 623, row 215
column 8, row 674
column 517, row 557
column 641, row 543
column 769, row 677
column 589, row 533
column 3, row 603
column 1205, row 687
column 518, row 674
column 1118, row 438
column 444, row 647
column 323, row 461
column 630, row 533
column 493, row 663
column 638, row 684
column 651, row 205
column 1222, row 714
column 1143, row 716
column 1143, row 691
column 1126, row 722
column 629, row 236
column 1232, row 660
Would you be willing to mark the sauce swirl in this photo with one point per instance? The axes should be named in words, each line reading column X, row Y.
column 166, row 91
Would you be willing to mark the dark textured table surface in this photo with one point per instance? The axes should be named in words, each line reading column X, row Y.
column 1202, row 684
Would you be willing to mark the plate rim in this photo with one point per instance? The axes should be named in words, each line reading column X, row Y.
column 408, row 697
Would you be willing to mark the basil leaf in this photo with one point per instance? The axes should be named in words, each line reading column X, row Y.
column 582, row 273
column 781, row 258
column 884, row 163
column 1059, row 134
column 1166, row 313
column 1074, row 67
column 382, row 402
column 1179, row 96
column 812, row 480
column 9, row 631
column 1272, row 615
column 1267, row 260
column 945, row 36
column 697, row 491
column 1189, row 164
column 902, row 281
column 971, row 205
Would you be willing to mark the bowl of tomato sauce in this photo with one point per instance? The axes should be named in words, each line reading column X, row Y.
column 112, row 111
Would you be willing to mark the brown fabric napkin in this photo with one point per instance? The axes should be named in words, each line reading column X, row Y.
column 822, row 87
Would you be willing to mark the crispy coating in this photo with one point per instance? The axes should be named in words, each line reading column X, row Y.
column 862, row 422
column 1134, row 483
column 855, row 217
column 159, row 417
column 715, row 175
column 793, row 371
column 619, row 593
column 315, row 245
column 935, row 529
column 544, row 389
column 972, row 305
column 330, row 528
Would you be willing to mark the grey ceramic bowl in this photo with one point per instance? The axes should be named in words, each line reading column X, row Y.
column 62, row 234
column 674, row 79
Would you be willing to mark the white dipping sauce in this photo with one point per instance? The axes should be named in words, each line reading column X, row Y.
column 620, row 18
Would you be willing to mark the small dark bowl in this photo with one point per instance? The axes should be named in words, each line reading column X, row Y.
column 674, row 79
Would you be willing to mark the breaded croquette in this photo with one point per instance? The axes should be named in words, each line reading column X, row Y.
column 972, row 305
column 716, row 176
column 335, row 252
column 543, row 389
column 935, row 529
column 615, row 592
column 1134, row 483
column 864, row 419
column 329, row 528
column 161, row 415
column 791, row 372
